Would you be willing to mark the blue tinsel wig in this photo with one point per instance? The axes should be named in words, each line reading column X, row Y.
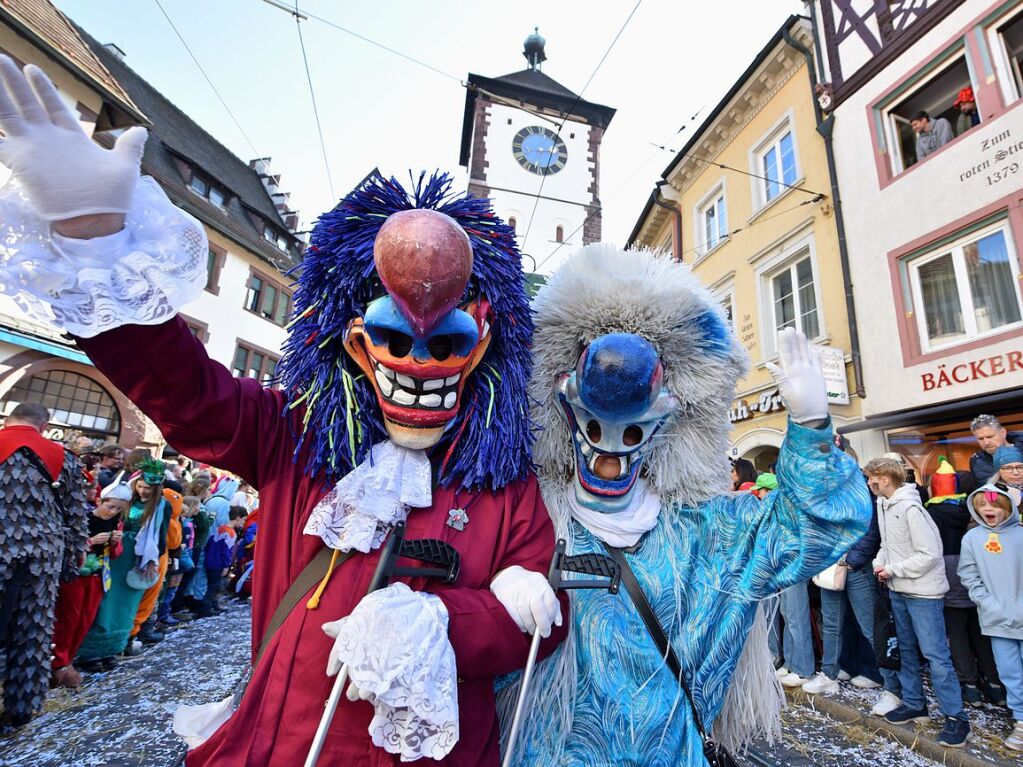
column 489, row 443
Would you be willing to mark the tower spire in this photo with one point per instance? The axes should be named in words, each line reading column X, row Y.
column 533, row 49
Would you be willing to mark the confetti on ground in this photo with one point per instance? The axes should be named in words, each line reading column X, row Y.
column 122, row 718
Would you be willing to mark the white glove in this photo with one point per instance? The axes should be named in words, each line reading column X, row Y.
column 63, row 172
column 334, row 665
column 528, row 598
column 800, row 379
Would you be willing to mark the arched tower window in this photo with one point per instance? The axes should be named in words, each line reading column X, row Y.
column 513, row 224
column 559, row 234
column 72, row 399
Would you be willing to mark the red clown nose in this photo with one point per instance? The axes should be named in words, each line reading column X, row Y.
column 424, row 259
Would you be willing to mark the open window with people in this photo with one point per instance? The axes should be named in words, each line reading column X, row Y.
column 930, row 112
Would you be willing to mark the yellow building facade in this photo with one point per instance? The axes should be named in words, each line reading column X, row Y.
column 748, row 204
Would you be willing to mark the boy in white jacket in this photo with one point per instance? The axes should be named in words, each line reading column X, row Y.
column 991, row 567
column 910, row 563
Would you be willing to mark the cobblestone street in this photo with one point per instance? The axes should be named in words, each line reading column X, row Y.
column 122, row 718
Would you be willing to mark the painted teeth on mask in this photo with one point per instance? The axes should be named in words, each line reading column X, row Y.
column 385, row 385
column 407, row 391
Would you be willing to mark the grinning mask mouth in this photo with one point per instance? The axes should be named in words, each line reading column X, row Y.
column 419, row 340
column 614, row 403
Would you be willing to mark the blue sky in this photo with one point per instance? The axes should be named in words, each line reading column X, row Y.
column 674, row 58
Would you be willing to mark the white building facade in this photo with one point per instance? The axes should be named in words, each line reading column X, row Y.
column 935, row 237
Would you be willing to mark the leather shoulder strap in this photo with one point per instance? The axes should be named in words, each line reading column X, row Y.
column 653, row 626
column 311, row 574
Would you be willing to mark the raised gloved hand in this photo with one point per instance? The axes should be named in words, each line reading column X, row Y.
column 63, row 172
column 528, row 598
column 800, row 379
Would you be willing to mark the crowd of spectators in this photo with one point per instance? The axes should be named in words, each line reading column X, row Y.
column 153, row 545
column 935, row 583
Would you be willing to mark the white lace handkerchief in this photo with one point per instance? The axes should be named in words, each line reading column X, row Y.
column 370, row 499
column 396, row 646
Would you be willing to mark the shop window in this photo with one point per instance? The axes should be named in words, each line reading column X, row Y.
column 794, row 300
column 967, row 289
column 1009, row 36
column 251, row 362
column 712, row 221
column 72, row 399
column 776, row 165
column 946, row 96
column 922, row 445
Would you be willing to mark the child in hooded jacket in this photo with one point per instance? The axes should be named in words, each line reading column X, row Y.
column 991, row 567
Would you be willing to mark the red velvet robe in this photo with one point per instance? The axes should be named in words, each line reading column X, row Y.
column 237, row 425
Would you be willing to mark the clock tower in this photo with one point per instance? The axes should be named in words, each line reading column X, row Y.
column 533, row 147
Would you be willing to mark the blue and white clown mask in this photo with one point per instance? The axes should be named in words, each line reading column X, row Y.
column 614, row 404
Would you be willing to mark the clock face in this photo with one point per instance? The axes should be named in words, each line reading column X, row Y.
column 539, row 150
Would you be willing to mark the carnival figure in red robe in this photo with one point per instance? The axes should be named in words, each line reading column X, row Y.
column 403, row 398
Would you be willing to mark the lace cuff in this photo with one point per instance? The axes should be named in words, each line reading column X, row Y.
column 396, row 646
column 141, row 275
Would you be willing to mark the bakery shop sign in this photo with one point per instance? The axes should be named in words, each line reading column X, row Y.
column 985, row 367
column 768, row 402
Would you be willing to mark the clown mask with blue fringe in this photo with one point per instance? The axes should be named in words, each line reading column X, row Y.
column 413, row 323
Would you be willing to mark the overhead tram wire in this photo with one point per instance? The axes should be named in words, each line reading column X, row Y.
column 255, row 152
column 241, row 130
column 578, row 98
column 617, row 191
column 312, row 96
column 335, row 25
column 722, row 166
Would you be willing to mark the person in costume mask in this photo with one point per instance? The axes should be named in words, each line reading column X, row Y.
column 404, row 398
column 42, row 537
column 635, row 368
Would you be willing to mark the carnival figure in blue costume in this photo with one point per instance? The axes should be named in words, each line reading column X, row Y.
column 635, row 367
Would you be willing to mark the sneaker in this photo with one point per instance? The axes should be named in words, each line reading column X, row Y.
column 792, row 679
column 821, row 684
column 904, row 714
column 109, row 663
column 151, row 637
column 1015, row 739
column 888, row 701
column 955, row 733
column 843, row 676
column 863, row 682
column 995, row 694
column 972, row 696
column 781, row 672
column 170, row 621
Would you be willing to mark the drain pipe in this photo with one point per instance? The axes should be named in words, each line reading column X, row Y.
column 825, row 128
column 676, row 232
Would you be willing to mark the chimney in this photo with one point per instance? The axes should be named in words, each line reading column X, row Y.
column 272, row 184
column 115, row 49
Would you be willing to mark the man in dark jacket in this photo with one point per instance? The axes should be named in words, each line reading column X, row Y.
column 990, row 435
column 43, row 530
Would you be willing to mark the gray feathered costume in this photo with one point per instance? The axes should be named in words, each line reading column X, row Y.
column 635, row 367
column 43, row 529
